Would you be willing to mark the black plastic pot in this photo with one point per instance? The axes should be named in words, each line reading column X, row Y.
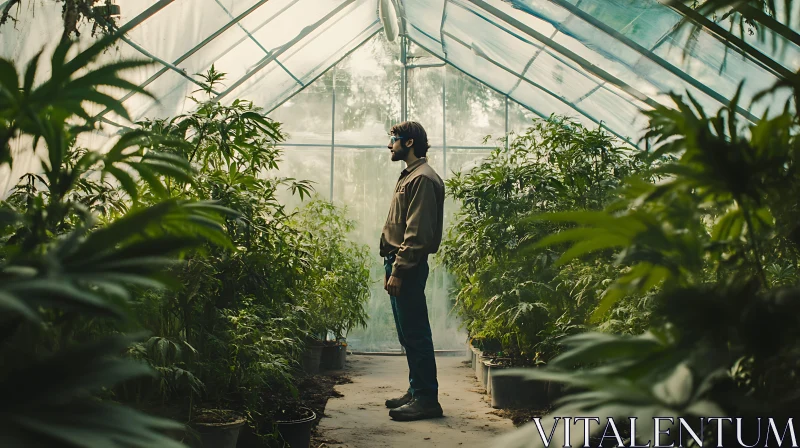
column 312, row 357
column 297, row 433
column 506, row 392
column 514, row 392
column 333, row 357
column 217, row 435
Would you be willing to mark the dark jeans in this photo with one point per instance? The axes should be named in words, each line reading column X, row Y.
column 414, row 330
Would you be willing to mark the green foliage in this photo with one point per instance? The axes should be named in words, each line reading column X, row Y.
column 715, row 247
column 525, row 298
column 66, row 274
column 175, row 229
column 248, row 308
column 234, row 296
column 337, row 285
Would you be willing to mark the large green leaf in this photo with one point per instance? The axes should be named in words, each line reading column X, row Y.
column 47, row 403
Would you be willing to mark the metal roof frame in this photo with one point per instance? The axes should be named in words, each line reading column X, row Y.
column 504, row 21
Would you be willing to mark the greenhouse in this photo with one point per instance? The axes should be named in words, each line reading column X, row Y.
column 196, row 250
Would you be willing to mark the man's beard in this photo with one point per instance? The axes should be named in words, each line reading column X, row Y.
column 401, row 154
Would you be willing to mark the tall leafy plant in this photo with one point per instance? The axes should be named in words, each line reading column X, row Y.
column 336, row 289
column 524, row 299
column 64, row 271
column 717, row 244
column 242, row 310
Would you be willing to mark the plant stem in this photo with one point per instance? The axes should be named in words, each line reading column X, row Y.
column 754, row 243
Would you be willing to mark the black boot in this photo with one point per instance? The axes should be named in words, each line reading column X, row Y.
column 418, row 409
column 397, row 402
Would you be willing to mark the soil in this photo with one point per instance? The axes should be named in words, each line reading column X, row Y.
column 216, row 417
column 315, row 391
column 520, row 416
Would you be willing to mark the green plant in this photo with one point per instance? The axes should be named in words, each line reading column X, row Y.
column 337, row 287
column 508, row 292
column 715, row 248
column 68, row 279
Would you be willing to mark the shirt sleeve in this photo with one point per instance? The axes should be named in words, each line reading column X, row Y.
column 420, row 226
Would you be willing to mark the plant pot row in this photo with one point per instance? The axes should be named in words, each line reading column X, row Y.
column 295, row 431
column 512, row 392
column 318, row 357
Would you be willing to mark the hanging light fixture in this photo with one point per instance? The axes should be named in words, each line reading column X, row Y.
column 388, row 17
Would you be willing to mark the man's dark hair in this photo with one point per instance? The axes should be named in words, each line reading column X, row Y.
column 413, row 130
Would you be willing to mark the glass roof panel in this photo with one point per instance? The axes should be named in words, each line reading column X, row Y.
column 170, row 92
column 585, row 58
column 467, row 26
column 426, row 15
column 198, row 20
column 551, row 74
column 662, row 65
column 486, row 70
column 368, row 93
column 616, row 111
column 264, row 88
column 434, row 46
column 235, row 7
column 291, row 21
column 344, row 28
column 341, row 34
column 644, row 21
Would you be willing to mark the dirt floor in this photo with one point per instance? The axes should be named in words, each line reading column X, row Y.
column 359, row 418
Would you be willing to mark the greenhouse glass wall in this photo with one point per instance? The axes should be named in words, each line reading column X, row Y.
column 339, row 73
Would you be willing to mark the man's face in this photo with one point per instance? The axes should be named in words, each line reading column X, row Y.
column 398, row 148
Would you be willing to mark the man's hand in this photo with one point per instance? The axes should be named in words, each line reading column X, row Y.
column 393, row 286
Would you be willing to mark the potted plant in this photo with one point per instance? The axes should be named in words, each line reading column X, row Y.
column 216, row 428
column 294, row 424
column 334, row 355
column 312, row 356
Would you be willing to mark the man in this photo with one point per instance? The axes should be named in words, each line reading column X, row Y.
column 413, row 230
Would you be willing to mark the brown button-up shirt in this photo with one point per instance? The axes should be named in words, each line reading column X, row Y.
column 414, row 226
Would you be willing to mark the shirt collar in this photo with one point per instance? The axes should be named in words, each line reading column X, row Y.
column 414, row 165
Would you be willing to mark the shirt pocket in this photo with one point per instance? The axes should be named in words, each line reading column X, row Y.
column 397, row 211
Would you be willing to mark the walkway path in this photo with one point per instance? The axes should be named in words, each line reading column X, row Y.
column 360, row 419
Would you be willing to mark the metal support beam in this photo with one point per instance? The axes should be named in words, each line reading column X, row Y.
column 258, row 44
column 404, row 78
column 506, row 102
column 441, row 27
column 146, row 14
column 304, row 33
column 469, row 75
column 192, row 51
column 166, row 64
column 333, row 127
column 530, row 62
column 444, row 119
column 730, row 40
column 335, row 63
column 588, row 18
column 564, row 51
column 426, row 65
column 774, row 25
column 547, row 91
column 376, row 146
